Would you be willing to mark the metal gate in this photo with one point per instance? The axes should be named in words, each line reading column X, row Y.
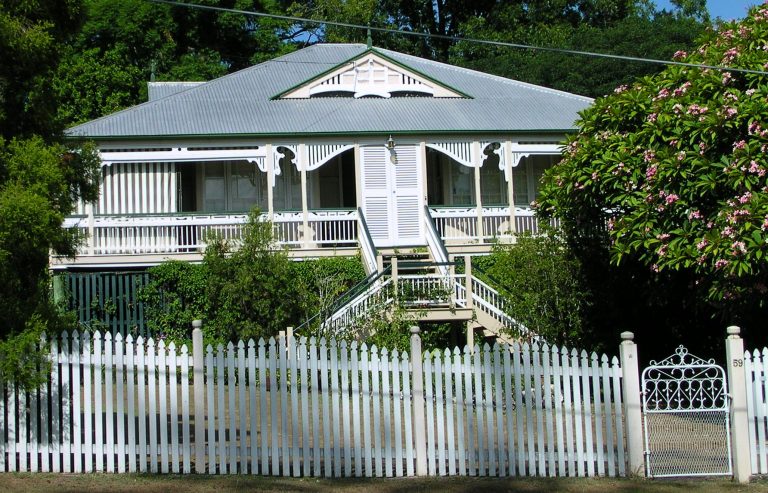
column 686, row 417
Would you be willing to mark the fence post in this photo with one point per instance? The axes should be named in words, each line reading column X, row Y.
column 737, row 386
column 198, row 386
column 417, row 387
column 632, row 407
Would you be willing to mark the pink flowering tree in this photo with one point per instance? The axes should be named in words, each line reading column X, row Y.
column 670, row 171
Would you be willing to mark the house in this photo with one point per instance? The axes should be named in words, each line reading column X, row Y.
column 346, row 148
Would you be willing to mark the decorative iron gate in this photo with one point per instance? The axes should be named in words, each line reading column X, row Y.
column 686, row 417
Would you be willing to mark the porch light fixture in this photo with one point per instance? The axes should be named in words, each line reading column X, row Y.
column 391, row 149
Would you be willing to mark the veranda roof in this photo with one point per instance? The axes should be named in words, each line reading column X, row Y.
column 245, row 103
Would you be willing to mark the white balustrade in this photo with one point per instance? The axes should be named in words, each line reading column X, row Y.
column 130, row 235
column 460, row 223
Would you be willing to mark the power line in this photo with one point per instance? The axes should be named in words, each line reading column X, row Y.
column 458, row 38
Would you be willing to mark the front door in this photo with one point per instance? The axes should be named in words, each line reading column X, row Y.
column 392, row 195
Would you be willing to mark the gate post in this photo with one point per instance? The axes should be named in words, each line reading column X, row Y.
column 198, row 387
column 417, row 401
column 632, row 406
column 737, row 387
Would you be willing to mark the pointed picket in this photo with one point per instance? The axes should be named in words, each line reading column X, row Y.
column 121, row 374
column 242, row 410
column 469, row 406
column 355, row 384
column 141, row 409
column 609, row 423
column 252, row 389
column 548, row 390
column 162, row 408
column 173, row 410
column 152, row 376
column 211, row 409
column 221, row 439
column 231, row 383
column 98, row 403
column 398, row 413
column 460, row 405
column 600, row 447
column 185, row 411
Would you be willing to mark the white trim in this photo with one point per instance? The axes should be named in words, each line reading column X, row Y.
column 371, row 75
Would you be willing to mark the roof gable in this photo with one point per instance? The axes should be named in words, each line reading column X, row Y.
column 371, row 74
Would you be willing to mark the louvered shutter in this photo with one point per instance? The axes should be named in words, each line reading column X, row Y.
column 408, row 192
column 376, row 193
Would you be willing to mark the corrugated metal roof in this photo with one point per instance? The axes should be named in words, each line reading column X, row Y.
column 241, row 103
column 159, row 90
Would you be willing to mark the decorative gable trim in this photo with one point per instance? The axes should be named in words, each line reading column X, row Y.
column 371, row 74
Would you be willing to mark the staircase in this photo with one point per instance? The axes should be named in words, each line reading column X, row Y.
column 425, row 283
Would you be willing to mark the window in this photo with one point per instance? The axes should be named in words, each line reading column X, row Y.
column 232, row 186
column 527, row 177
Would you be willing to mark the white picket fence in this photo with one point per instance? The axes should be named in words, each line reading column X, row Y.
column 316, row 408
column 756, row 369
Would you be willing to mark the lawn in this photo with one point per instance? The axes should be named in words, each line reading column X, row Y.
column 112, row 483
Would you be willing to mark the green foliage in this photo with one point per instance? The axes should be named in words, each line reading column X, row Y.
column 323, row 281
column 395, row 333
column 38, row 186
column 542, row 280
column 628, row 31
column 90, row 83
column 124, row 43
column 32, row 33
column 175, row 296
column 675, row 165
column 251, row 289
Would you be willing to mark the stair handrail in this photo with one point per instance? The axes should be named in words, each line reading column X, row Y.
column 493, row 304
column 367, row 248
column 435, row 243
column 348, row 296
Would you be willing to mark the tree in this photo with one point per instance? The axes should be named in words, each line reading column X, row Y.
column 542, row 281
column 40, row 179
column 630, row 30
column 38, row 185
column 669, row 173
column 32, row 33
column 125, row 43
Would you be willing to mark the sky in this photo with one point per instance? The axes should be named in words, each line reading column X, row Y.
column 727, row 9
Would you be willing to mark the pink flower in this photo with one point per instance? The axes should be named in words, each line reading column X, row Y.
column 739, row 145
column 695, row 109
column 621, row 89
column 679, row 54
column 694, row 214
column 739, row 248
column 721, row 263
column 749, row 92
column 730, row 112
column 595, row 176
column 754, row 128
column 650, row 172
column 765, row 223
column 727, row 77
column 649, row 156
column 655, row 268
column 653, row 117
column 663, row 236
column 702, row 244
column 672, row 198
column 728, row 232
column 663, row 94
column 681, row 90
column 730, row 55
column 681, row 155
column 745, row 198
